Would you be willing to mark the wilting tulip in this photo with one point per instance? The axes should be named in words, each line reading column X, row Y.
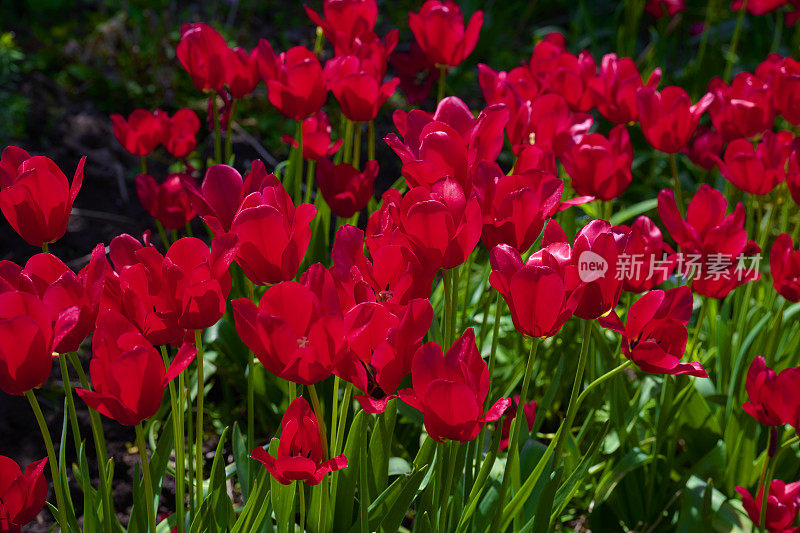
column 241, row 71
column 529, row 410
column 293, row 331
column 600, row 166
column 168, row 202
column 26, row 341
column 786, row 90
column 127, row 372
column 345, row 20
column 706, row 143
column 615, row 88
column 316, row 137
column 654, row 336
column 450, row 390
column 439, row 30
column 783, row 503
column 765, row 399
column 416, row 72
column 651, row 260
column 536, row 291
column 743, row 109
column 22, row 496
column 203, row 52
column 346, row 190
column 35, row 196
column 300, row 449
column 180, row 138
column 357, row 87
column 668, row 118
column 660, row 8
column 717, row 242
column 784, row 265
column 142, row 132
column 197, row 279
column 756, row 170
column 294, row 80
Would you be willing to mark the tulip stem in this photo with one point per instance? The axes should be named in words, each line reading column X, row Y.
column 198, row 342
column 51, row 456
column 143, row 164
column 454, row 303
column 180, row 450
column 676, row 182
column 334, row 414
column 452, row 453
column 163, row 234
column 608, row 375
column 447, row 286
column 734, row 43
column 302, row 498
column 764, row 482
column 73, row 417
column 146, row 479
column 309, row 180
column 251, row 394
column 298, row 168
column 442, row 82
column 45, row 247
column 347, row 150
column 371, row 140
column 187, row 402
column 229, row 134
column 323, row 434
column 176, row 430
column 357, row 146
column 217, row 133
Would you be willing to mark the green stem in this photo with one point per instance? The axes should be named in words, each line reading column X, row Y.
column 217, row 132
column 229, row 134
column 298, row 168
column 148, row 482
column 676, row 182
column 45, row 247
column 347, row 150
column 447, row 282
column 163, row 234
column 312, row 165
column 189, row 232
column 73, row 417
column 180, row 451
column 452, row 448
column 302, row 498
column 323, row 433
column 442, row 82
column 143, row 164
column 189, row 442
column 764, row 482
column 605, row 377
column 177, row 432
column 51, row 456
column 357, row 146
column 371, row 140
column 251, row 394
column 198, row 340
column 334, row 414
column 734, row 43
column 348, row 391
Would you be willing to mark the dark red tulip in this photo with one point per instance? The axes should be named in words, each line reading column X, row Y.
column 743, row 108
column 548, row 123
column 529, row 410
column 757, row 170
column 784, row 265
column 180, row 138
column 294, row 332
column 450, row 390
column 346, row 189
column 345, row 20
column 128, row 374
column 300, row 449
column 650, row 261
column 22, row 496
column 357, row 87
column 786, row 90
column 203, row 52
column 546, row 56
column 35, row 196
column 197, row 279
column 661, row 8
column 383, row 226
column 783, row 503
column 570, row 77
column 241, row 71
column 294, row 80
column 712, row 243
column 532, row 157
column 372, row 52
column 316, row 137
column 793, row 172
column 654, row 336
column 600, row 166
column 511, row 88
column 668, row 118
column 416, row 72
column 706, row 143
column 142, row 132
column 764, row 397
column 537, row 292
column 169, row 202
column 439, row 30
column 615, row 88
column 758, row 7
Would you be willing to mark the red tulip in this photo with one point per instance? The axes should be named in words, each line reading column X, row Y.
column 294, row 331
column 713, row 243
column 294, row 80
column 169, row 202
column 127, row 372
column 654, row 336
column 180, row 138
column 35, row 196
column 22, row 496
column 346, row 190
column 793, row 172
column 668, row 118
column 532, row 157
column 756, row 170
column 529, row 410
column 784, row 265
column 570, row 77
column 615, row 88
column 765, row 398
column 26, row 341
column 783, row 502
column 705, row 144
column 660, row 8
column 450, row 390
column 357, row 87
column 383, row 227
column 743, row 109
column 345, row 20
column 371, row 51
column 203, row 52
column 537, row 292
column 197, row 279
column 650, row 259
column 242, row 73
column 439, row 30
column 786, row 90
column 316, row 137
column 758, row 7
column 511, row 88
column 601, row 166
column 300, row 449
column 548, row 123
column 142, row 132
column 416, row 72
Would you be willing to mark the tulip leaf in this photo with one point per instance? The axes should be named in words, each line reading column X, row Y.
column 567, row 490
column 634, row 459
column 257, row 508
column 542, row 518
column 282, row 497
column 387, row 511
column 423, row 524
column 705, row 509
column 241, row 459
column 628, row 213
column 138, row 518
column 216, row 512
column 380, row 447
column 346, row 479
column 399, row 466
column 62, row 471
column 160, row 458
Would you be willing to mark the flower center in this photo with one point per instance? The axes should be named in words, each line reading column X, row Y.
column 302, row 342
column 384, row 295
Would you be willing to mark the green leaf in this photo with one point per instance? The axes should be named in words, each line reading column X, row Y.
column 282, row 497
column 634, row 210
column 387, row 511
column 241, row 458
column 567, row 490
column 380, row 448
column 346, row 480
column 634, row 459
column 257, row 508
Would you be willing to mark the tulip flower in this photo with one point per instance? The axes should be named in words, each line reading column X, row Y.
column 529, row 410
column 346, row 190
column 357, row 87
column 615, row 88
column 756, row 170
column 511, row 88
column 203, row 52
column 180, row 137
column 655, row 335
column 532, row 157
column 668, row 118
column 712, row 243
column 35, row 196
column 242, row 73
column 197, row 279
column 783, row 503
column 706, row 143
column 142, row 132
column 26, row 341
column 22, row 496
column 316, row 137
column 293, row 331
column 168, row 202
column 416, row 72
column 450, row 389
column 743, row 108
column 548, row 123
column 300, row 450
column 600, row 166
column 345, row 20
column 127, row 372
column 758, row 7
column 570, row 77
column 793, row 172
column 651, row 260
column 537, row 292
column 765, row 398
column 784, row 265
column 439, row 30
column 383, row 226
column 661, row 8
column 294, row 80
column 786, row 90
